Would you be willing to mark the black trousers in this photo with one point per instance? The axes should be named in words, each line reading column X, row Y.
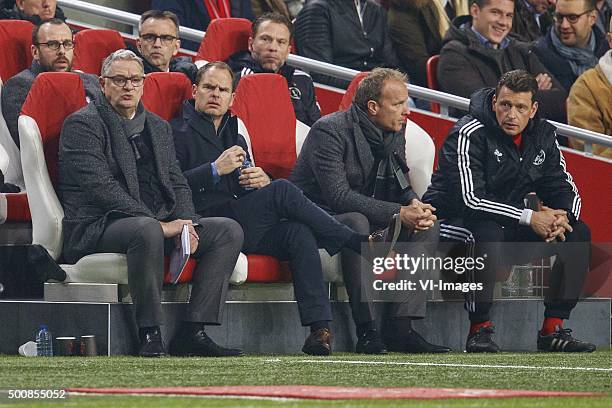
column 359, row 284
column 142, row 240
column 488, row 237
column 278, row 220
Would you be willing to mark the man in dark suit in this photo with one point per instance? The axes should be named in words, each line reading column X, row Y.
column 276, row 217
column 353, row 164
column 122, row 191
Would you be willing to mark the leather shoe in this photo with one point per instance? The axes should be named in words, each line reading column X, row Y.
column 197, row 343
column 412, row 343
column 370, row 343
column 318, row 343
column 481, row 341
column 151, row 343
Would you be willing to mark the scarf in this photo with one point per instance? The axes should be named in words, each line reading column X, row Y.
column 580, row 59
column 133, row 130
column 387, row 181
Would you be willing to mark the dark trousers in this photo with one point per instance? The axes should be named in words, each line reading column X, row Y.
column 488, row 237
column 359, row 285
column 142, row 240
column 278, row 220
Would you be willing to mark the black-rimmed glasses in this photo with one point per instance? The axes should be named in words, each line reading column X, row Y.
column 55, row 45
column 151, row 38
column 121, row 81
column 571, row 18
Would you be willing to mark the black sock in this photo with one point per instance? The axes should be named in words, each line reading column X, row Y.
column 401, row 326
column 355, row 241
column 362, row 328
column 192, row 327
column 321, row 324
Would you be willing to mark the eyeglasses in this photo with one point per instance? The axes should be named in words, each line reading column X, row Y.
column 152, row 38
column 121, row 81
column 55, row 45
column 571, row 18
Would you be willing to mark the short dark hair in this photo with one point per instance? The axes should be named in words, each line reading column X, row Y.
column 275, row 18
column 52, row 21
column 590, row 4
column 159, row 15
column 518, row 81
column 211, row 65
column 483, row 3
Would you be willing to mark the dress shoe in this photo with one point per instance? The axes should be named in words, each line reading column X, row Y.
column 151, row 343
column 370, row 343
column 318, row 343
column 481, row 341
column 383, row 241
column 413, row 342
column 197, row 343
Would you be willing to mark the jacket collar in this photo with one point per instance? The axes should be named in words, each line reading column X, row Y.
column 605, row 64
column 202, row 124
column 243, row 60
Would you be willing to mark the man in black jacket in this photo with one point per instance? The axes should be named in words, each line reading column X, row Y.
column 31, row 10
column 532, row 18
column 492, row 158
column 158, row 43
column 276, row 217
column 269, row 47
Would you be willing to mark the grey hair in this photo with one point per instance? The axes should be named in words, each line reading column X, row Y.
column 121, row 55
column 371, row 86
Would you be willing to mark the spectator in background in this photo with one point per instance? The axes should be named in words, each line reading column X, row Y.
column 197, row 14
column 52, row 51
column 532, row 19
column 349, row 33
column 158, row 44
column 590, row 101
column 417, row 28
column 477, row 52
column 269, row 47
column 604, row 14
column 261, row 7
column 31, row 10
column 573, row 44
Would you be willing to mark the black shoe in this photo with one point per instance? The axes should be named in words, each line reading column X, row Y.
column 151, row 343
column 370, row 343
column 482, row 341
column 412, row 343
column 318, row 343
column 383, row 241
column 197, row 343
column 562, row 341
column 46, row 268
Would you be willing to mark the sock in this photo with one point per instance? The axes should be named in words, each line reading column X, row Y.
column 192, row 327
column 321, row 324
column 474, row 327
column 365, row 327
column 400, row 326
column 550, row 324
column 355, row 241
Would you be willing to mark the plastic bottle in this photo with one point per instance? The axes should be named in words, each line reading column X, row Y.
column 245, row 165
column 44, row 342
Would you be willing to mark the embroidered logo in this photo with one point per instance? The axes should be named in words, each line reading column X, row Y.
column 295, row 92
column 539, row 159
column 498, row 155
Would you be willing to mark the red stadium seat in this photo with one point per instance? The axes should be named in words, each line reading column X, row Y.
column 347, row 98
column 93, row 46
column 39, row 130
column 164, row 93
column 432, row 79
column 15, row 45
column 224, row 37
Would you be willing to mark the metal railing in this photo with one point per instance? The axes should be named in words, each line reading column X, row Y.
column 309, row 65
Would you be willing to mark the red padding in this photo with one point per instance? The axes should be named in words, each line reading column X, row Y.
column 347, row 98
column 93, row 46
column 49, row 111
column 15, row 45
column 264, row 105
column 224, row 37
column 164, row 93
column 17, row 209
column 187, row 274
column 265, row 269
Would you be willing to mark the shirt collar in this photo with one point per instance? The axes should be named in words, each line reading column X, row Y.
column 484, row 41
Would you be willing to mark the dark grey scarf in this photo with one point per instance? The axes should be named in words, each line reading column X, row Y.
column 133, row 130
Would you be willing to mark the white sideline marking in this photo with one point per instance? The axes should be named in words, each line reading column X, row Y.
column 446, row 365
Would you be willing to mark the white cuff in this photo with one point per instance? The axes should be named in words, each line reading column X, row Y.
column 526, row 217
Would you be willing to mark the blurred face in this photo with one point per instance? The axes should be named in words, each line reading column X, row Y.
column 158, row 42
column 513, row 110
column 494, row 20
column 578, row 32
column 49, row 37
column 214, row 95
column 541, row 6
column 271, row 45
column 390, row 112
column 43, row 8
column 123, row 97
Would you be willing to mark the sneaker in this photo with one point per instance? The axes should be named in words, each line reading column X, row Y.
column 370, row 343
column 562, row 341
column 481, row 341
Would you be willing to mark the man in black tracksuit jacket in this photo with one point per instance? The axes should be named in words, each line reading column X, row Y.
column 492, row 158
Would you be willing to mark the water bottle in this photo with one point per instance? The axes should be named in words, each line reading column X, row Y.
column 245, row 165
column 44, row 342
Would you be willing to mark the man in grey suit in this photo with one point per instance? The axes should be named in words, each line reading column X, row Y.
column 123, row 191
column 353, row 165
column 52, row 51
